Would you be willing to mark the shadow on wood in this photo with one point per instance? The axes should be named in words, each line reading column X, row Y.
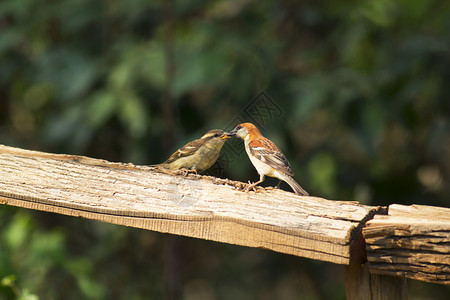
column 360, row 284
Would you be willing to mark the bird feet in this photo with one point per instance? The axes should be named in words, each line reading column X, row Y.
column 251, row 187
column 185, row 171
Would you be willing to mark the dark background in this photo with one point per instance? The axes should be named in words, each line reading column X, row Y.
column 355, row 93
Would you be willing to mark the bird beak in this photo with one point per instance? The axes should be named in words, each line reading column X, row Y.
column 233, row 132
column 226, row 136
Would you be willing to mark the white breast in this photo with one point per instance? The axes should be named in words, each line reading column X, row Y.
column 262, row 168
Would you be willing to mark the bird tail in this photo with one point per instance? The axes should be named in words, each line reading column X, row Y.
column 295, row 186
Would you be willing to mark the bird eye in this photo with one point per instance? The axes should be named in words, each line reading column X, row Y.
column 216, row 135
column 238, row 127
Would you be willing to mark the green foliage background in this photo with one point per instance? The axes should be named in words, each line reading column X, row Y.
column 363, row 87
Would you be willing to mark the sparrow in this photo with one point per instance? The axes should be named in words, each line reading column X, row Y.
column 198, row 155
column 266, row 157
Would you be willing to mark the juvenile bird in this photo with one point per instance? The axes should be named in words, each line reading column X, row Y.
column 266, row 157
column 198, row 155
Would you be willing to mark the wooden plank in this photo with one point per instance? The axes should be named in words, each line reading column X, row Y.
column 361, row 284
column 411, row 241
column 195, row 206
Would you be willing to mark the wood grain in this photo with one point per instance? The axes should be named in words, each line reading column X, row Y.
column 361, row 284
column 411, row 241
column 195, row 206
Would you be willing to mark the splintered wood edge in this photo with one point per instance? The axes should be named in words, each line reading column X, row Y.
column 416, row 274
column 358, row 252
column 411, row 241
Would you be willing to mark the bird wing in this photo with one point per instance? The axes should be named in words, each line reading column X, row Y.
column 267, row 152
column 185, row 151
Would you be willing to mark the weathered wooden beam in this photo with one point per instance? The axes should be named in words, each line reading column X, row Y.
column 411, row 241
column 195, row 206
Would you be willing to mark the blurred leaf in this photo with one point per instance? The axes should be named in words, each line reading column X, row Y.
column 26, row 295
column 101, row 107
column 47, row 248
column 132, row 114
column 312, row 93
column 153, row 64
column 91, row 288
column 82, row 270
column 379, row 12
column 322, row 169
column 18, row 231
column 71, row 72
column 9, row 39
column 197, row 68
column 8, row 280
column 373, row 119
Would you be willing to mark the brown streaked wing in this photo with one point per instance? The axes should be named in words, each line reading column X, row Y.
column 187, row 150
column 267, row 152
